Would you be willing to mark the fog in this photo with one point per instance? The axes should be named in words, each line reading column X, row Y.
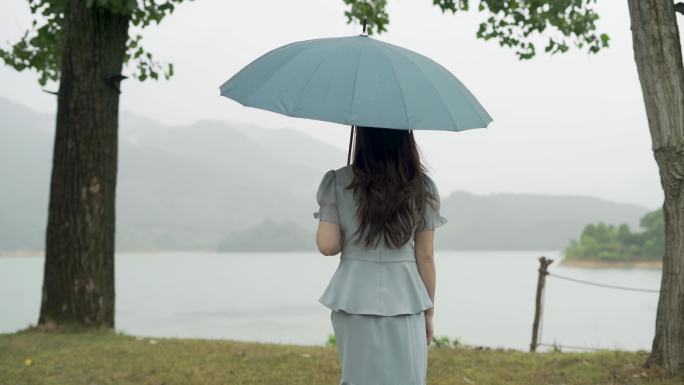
column 565, row 124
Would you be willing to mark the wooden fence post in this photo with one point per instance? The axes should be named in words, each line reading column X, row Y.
column 543, row 271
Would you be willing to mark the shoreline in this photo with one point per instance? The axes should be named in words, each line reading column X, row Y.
column 22, row 253
column 607, row 265
column 41, row 253
column 589, row 264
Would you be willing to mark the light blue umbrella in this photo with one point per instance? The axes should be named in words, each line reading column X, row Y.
column 357, row 81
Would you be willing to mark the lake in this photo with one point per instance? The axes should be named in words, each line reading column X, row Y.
column 483, row 298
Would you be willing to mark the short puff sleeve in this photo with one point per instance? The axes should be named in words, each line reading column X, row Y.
column 432, row 217
column 327, row 199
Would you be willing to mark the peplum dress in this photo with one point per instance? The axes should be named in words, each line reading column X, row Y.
column 376, row 296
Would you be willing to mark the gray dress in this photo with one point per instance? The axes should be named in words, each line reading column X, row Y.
column 376, row 297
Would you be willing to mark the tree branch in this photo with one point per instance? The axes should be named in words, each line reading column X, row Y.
column 679, row 7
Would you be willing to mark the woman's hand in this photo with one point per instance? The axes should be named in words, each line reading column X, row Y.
column 428, row 327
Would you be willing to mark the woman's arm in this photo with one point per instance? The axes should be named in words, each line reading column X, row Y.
column 329, row 238
column 426, row 262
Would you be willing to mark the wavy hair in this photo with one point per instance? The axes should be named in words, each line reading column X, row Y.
column 389, row 185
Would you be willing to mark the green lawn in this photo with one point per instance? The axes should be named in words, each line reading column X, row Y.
column 98, row 358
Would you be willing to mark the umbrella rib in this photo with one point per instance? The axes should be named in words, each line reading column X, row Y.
column 465, row 92
column 401, row 91
column 274, row 73
column 356, row 76
column 306, row 87
column 441, row 97
column 249, row 66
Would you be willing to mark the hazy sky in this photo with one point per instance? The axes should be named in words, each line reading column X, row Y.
column 564, row 124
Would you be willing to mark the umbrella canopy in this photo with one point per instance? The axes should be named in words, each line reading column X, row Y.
column 358, row 81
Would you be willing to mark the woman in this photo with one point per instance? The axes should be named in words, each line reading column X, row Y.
column 380, row 212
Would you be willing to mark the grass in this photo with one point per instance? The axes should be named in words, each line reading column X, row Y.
column 32, row 356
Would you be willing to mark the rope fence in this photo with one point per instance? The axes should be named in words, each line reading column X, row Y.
column 604, row 285
column 539, row 302
column 569, row 346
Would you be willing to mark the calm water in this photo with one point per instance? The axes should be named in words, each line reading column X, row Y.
column 483, row 298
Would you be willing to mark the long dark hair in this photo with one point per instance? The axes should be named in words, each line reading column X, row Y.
column 389, row 185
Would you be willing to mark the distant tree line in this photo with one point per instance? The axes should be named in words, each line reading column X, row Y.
column 269, row 236
column 606, row 242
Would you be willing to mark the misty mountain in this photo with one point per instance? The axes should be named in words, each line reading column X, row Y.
column 182, row 187
column 506, row 221
column 193, row 187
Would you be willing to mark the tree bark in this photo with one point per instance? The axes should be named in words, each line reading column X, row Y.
column 658, row 57
column 78, row 279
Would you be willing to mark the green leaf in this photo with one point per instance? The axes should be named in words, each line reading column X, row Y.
column 517, row 24
column 40, row 47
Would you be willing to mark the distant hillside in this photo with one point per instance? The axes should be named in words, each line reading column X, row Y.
column 179, row 188
column 269, row 235
column 525, row 221
column 207, row 184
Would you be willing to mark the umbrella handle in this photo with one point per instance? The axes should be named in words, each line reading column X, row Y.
column 351, row 135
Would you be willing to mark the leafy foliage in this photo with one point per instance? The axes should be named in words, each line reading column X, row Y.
column 364, row 9
column 332, row 340
column 608, row 242
column 517, row 24
column 445, row 342
column 40, row 46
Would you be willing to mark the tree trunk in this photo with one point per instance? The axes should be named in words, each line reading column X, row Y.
column 78, row 279
column 658, row 57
